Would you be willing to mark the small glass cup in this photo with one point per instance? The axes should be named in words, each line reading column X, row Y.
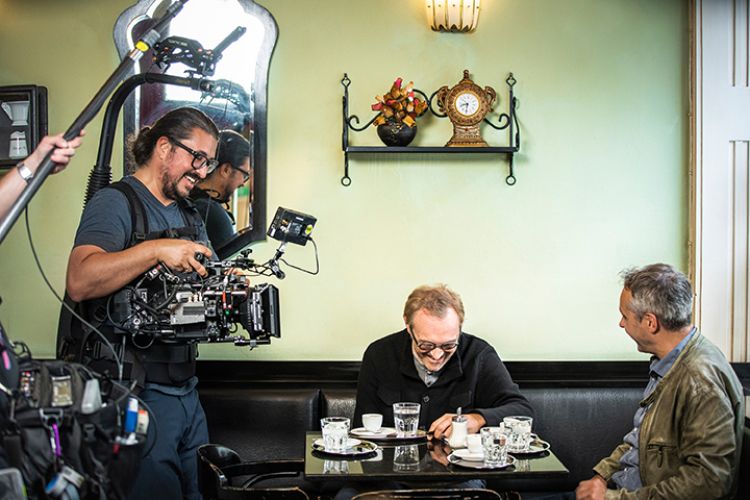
column 494, row 443
column 335, row 433
column 406, row 419
column 518, row 429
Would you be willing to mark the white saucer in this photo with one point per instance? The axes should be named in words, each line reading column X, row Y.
column 452, row 458
column 350, row 442
column 382, row 433
column 385, row 434
column 465, row 454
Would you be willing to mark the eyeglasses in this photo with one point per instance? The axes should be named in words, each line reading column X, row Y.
column 428, row 347
column 200, row 160
column 245, row 174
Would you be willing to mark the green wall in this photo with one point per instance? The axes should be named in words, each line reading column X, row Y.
column 602, row 174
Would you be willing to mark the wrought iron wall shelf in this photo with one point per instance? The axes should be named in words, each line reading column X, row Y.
column 505, row 121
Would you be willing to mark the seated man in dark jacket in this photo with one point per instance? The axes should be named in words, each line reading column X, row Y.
column 433, row 363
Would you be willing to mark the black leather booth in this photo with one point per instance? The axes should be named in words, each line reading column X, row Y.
column 263, row 409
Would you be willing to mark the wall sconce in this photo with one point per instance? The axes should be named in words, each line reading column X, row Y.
column 453, row 15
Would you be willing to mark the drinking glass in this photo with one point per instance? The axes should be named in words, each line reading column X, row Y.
column 335, row 433
column 494, row 443
column 519, row 432
column 406, row 419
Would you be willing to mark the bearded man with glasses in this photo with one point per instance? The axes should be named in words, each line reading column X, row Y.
column 126, row 229
column 213, row 194
column 434, row 363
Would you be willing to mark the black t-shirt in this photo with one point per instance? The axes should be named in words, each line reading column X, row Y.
column 219, row 223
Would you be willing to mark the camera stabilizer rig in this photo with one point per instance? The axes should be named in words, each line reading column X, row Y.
column 187, row 308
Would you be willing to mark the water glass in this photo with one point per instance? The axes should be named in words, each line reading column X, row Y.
column 519, row 432
column 335, row 433
column 406, row 419
column 494, row 443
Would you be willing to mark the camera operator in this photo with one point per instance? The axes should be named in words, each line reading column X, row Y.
column 212, row 194
column 171, row 157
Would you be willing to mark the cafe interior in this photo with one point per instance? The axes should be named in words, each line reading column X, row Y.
column 609, row 134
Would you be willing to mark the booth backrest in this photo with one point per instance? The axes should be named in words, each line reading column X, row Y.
column 261, row 423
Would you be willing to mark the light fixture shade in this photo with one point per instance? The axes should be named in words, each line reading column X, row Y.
column 452, row 15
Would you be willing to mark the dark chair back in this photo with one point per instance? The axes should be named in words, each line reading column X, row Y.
column 440, row 494
column 222, row 475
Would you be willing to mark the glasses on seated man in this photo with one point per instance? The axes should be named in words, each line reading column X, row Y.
column 425, row 347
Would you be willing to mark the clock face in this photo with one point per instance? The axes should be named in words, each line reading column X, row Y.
column 467, row 103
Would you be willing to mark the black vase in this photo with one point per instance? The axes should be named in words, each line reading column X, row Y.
column 396, row 134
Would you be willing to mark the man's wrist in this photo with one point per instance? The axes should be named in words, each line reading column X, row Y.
column 25, row 172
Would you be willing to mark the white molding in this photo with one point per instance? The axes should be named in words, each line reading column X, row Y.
column 720, row 172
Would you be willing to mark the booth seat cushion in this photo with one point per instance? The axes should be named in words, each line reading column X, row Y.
column 339, row 402
column 261, row 423
column 583, row 425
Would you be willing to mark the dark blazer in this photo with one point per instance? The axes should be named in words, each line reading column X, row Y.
column 474, row 379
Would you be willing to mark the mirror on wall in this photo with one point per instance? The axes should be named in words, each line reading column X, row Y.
column 245, row 33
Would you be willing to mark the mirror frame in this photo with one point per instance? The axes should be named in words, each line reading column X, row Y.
column 140, row 11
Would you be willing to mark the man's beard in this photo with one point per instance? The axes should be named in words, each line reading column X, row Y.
column 223, row 197
column 169, row 185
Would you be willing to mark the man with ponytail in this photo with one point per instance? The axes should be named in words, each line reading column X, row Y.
column 111, row 251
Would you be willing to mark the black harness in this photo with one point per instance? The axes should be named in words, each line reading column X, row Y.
column 162, row 363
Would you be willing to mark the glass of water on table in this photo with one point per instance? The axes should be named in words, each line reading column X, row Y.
column 406, row 419
column 518, row 429
column 335, row 432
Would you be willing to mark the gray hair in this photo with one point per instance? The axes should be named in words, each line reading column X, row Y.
column 661, row 290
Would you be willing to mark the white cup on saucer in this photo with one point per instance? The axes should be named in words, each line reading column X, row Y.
column 474, row 443
column 372, row 421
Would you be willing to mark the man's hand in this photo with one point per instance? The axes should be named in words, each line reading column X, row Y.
column 179, row 255
column 62, row 151
column 593, row 489
column 442, row 427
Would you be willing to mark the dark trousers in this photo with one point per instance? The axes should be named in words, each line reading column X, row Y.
column 170, row 470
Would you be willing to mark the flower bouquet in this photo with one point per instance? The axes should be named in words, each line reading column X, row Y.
column 399, row 109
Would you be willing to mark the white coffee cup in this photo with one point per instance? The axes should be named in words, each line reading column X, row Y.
column 372, row 421
column 18, row 111
column 474, row 443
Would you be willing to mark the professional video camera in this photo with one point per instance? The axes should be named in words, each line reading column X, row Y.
column 186, row 308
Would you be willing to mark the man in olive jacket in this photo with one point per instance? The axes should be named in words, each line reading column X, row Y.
column 687, row 434
column 433, row 363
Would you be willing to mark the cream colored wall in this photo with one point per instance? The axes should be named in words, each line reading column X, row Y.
column 602, row 181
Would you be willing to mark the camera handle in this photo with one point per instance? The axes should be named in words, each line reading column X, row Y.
column 273, row 264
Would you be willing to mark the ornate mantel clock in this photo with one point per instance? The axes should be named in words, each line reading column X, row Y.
column 466, row 105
